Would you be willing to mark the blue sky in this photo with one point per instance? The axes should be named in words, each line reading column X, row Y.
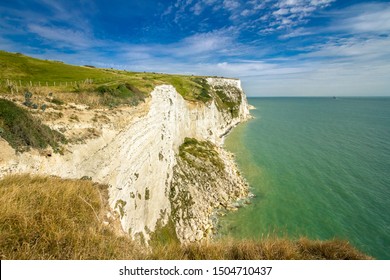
column 276, row 47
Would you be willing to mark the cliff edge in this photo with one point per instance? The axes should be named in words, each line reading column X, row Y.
column 162, row 159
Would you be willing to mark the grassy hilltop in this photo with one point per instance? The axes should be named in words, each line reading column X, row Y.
column 53, row 218
column 19, row 73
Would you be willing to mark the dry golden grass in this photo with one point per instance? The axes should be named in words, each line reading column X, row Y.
column 43, row 95
column 52, row 218
column 268, row 249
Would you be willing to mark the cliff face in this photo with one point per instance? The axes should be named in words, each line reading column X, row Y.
column 140, row 159
column 205, row 179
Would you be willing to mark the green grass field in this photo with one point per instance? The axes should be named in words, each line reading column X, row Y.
column 20, row 71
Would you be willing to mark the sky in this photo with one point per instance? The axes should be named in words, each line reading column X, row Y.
column 276, row 47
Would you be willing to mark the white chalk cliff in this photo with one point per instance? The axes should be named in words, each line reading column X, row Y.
column 139, row 160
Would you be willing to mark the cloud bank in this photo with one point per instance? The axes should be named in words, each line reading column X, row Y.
column 278, row 48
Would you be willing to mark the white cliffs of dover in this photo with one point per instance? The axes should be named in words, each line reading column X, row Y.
column 136, row 160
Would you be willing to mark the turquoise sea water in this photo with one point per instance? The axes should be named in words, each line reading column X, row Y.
column 319, row 167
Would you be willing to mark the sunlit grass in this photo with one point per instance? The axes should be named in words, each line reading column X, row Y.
column 19, row 73
column 53, row 218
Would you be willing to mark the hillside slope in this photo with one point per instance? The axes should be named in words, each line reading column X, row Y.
column 19, row 73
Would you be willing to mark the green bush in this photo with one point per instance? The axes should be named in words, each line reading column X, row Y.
column 22, row 131
column 57, row 101
column 123, row 93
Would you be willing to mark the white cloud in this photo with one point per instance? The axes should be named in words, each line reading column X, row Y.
column 372, row 49
column 343, row 67
column 339, row 65
column 200, row 43
column 231, row 4
column 135, row 53
column 299, row 32
column 358, row 20
column 281, row 12
column 62, row 36
column 197, row 9
column 321, row 79
column 206, row 45
column 66, row 13
column 167, row 11
column 373, row 18
column 259, row 4
column 194, row 49
column 209, row 2
column 61, row 26
column 288, row 13
column 280, row 15
column 246, row 12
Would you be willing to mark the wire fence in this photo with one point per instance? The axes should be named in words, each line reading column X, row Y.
column 30, row 83
column 20, row 85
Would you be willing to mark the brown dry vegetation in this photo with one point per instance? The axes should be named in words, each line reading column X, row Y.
column 50, row 218
column 268, row 249
column 53, row 218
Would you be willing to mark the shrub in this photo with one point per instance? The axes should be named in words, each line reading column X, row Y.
column 22, row 131
column 57, row 101
column 27, row 99
column 123, row 93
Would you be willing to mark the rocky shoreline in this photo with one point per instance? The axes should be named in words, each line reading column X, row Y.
column 200, row 189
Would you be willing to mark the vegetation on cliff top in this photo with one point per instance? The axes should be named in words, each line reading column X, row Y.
column 95, row 86
column 52, row 218
column 22, row 131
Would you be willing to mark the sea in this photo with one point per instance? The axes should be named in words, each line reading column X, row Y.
column 319, row 168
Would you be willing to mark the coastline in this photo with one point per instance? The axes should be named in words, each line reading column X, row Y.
column 300, row 175
column 140, row 178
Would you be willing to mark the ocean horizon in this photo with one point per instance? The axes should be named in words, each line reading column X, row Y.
column 319, row 167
